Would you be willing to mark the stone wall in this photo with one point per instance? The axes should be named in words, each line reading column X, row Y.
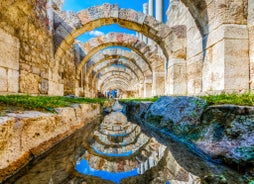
column 24, row 24
column 217, row 58
column 29, row 134
column 9, row 63
column 251, row 40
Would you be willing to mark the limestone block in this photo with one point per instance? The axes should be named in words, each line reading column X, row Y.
column 13, row 81
column 29, row 83
column 194, row 47
column 3, row 80
column 251, row 55
column 9, row 51
column 194, row 72
column 131, row 15
column 68, row 116
column 177, row 77
column 213, row 68
column 236, row 60
column 250, row 13
column 55, row 88
column 11, row 148
column 235, row 31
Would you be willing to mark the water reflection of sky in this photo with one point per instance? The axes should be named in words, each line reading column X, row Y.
column 124, row 154
column 83, row 167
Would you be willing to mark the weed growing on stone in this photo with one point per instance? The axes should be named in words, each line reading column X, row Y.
column 246, row 99
column 140, row 99
column 27, row 102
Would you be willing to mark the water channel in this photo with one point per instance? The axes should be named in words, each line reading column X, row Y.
column 115, row 150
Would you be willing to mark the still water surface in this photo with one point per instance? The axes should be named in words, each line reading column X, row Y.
column 114, row 150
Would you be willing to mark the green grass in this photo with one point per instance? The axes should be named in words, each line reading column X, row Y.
column 43, row 102
column 140, row 99
column 246, row 99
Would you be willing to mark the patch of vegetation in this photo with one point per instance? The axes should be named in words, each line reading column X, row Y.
column 140, row 99
column 27, row 102
column 246, row 99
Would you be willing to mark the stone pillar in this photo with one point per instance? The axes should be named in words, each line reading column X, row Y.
column 159, row 10
column 150, row 12
column 145, row 11
column 148, row 86
column 176, row 83
column 158, row 85
column 251, row 41
column 150, row 7
column 225, row 67
column 141, row 90
column 50, row 13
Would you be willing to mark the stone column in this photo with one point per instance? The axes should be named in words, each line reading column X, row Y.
column 145, row 11
column 251, row 41
column 150, row 7
column 158, row 87
column 50, row 13
column 176, row 77
column 150, row 12
column 159, row 10
column 148, row 87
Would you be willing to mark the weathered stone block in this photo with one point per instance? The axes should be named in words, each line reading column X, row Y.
column 9, row 51
column 55, row 89
column 236, row 60
column 13, row 81
column 3, row 80
column 214, row 68
column 29, row 83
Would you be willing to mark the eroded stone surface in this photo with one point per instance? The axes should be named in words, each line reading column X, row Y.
column 32, row 133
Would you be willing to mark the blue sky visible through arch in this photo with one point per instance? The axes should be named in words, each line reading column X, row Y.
column 77, row 5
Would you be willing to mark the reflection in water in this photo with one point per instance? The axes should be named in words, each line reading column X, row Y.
column 140, row 152
column 84, row 168
column 118, row 151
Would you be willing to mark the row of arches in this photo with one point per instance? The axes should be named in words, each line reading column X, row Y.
column 142, row 60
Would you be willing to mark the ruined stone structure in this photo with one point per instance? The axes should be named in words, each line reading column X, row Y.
column 205, row 47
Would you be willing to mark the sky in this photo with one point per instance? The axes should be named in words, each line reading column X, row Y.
column 77, row 5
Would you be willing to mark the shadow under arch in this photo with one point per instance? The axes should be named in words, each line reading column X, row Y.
column 198, row 10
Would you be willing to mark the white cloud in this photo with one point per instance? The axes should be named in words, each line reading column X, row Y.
column 96, row 33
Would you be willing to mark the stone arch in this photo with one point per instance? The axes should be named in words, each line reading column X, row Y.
column 126, row 64
column 198, row 10
column 115, row 80
column 122, row 85
column 125, row 40
column 106, row 14
column 112, row 69
column 115, row 75
column 104, row 55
